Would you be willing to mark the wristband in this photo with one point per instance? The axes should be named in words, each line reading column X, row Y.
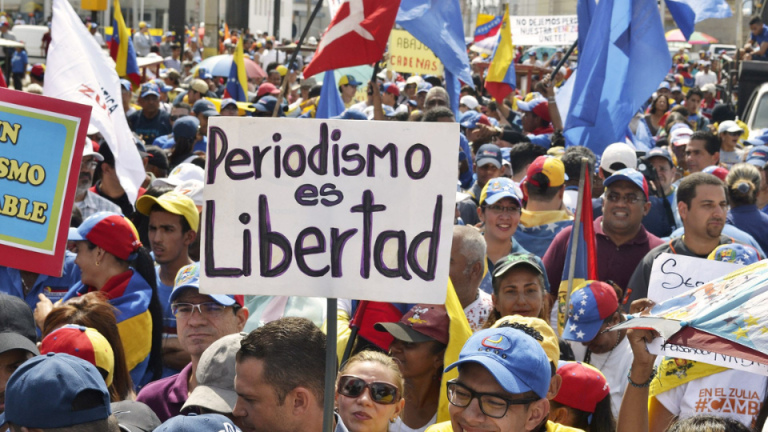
column 645, row 384
column 551, row 100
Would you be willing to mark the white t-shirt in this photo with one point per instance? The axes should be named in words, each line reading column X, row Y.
column 730, row 158
column 478, row 311
column 399, row 426
column 570, row 198
column 614, row 365
column 703, row 78
column 735, row 394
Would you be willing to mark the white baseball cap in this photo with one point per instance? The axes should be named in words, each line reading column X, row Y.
column 729, row 126
column 88, row 150
column 469, row 101
column 180, row 174
column 618, row 156
column 680, row 136
column 193, row 189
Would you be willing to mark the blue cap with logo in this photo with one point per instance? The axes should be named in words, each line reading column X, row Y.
column 198, row 423
column 161, row 85
column 488, row 153
column 149, row 89
column 469, row 119
column 631, row 175
column 227, row 102
column 267, row 105
column 188, row 277
column 660, row 152
column 203, row 73
column 125, row 84
column 735, row 253
column 499, row 188
column 591, row 303
column 515, row 359
column 758, row 156
column 205, row 107
column 186, row 127
column 69, row 376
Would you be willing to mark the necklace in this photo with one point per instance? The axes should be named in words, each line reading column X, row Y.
column 588, row 355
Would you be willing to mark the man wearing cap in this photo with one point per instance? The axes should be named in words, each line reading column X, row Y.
column 702, row 150
column 702, row 201
column 729, row 133
column 705, row 75
column 198, row 89
column 487, row 166
column 229, row 107
column 109, row 187
column 142, row 40
column 37, row 74
column 389, row 95
column 467, row 103
column 545, row 214
column 173, row 225
column 215, row 391
column 692, row 103
column 157, row 163
column 201, row 320
column 203, row 109
column 150, row 122
column 594, row 307
column 537, row 123
column 347, row 89
column 88, row 201
column 69, row 391
column 179, row 110
column 466, row 273
column 17, row 340
column 621, row 241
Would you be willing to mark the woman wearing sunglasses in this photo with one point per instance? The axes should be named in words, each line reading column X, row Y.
column 369, row 392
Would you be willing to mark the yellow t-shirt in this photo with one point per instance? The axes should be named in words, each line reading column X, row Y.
column 551, row 427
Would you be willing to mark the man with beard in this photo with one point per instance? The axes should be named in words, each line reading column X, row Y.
column 88, row 201
column 702, row 201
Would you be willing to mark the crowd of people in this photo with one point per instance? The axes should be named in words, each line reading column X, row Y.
column 125, row 340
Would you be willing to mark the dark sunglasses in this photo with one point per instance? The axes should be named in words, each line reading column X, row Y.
column 381, row 392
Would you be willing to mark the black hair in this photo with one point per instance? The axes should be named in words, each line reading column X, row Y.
column 686, row 191
column 77, row 217
column 468, row 90
column 181, row 150
column 602, row 418
column 711, row 141
column 542, row 192
column 755, row 20
column 653, row 103
column 271, row 67
column 743, row 184
column 315, row 90
column 708, row 423
column 722, row 112
column 437, row 113
column 183, row 105
column 154, row 49
column 402, row 116
column 572, row 161
column 523, row 154
column 694, row 91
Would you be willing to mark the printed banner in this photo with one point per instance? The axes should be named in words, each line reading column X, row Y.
column 544, row 30
column 41, row 144
column 336, row 209
column 674, row 274
column 408, row 55
column 661, row 348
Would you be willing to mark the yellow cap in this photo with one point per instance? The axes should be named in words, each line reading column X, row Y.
column 282, row 70
column 536, row 328
column 142, row 24
column 172, row 202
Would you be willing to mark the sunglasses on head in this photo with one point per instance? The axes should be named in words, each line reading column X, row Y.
column 381, row 392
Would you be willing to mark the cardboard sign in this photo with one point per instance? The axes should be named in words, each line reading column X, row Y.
column 661, row 348
column 673, row 274
column 41, row 145
column 544, row 30
column 407, row 54
column 329, row 208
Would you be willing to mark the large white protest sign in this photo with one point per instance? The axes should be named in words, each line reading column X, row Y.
column 673, row 274
column 329, row 208
column 544, row 30
column 661, row 348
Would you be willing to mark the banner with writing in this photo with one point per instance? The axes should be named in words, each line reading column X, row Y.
column 338, row 208
column 674, row 274
column 41, row 144
column 544, row 30
column 660, row 347
column 408, row 55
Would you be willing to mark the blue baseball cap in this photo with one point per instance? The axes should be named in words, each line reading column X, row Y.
column 61, row 378
column 469, row 119
column 735, row 253
column 267, row 104
column 516, row 360
column 125, row 84
column 349, row 80
column 161, row 85
column 205, row 107
column 660, row 152
column 188, row 277
column 498, row 188
column 758, row 156
column 227, row 102
column 591, row 303
column 488, row 153
column 148, row 89
column 203, row 73
column 424, row 87
column 351, row 115
column 186, row 127
column 630, row 175
column 664, row 85
column 198, row 423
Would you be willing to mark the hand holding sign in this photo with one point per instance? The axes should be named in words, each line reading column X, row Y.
column 673, row 274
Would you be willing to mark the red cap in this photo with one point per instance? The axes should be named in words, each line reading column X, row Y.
column 422, row 323
column 716, row 171
column 583, row 386
column 484, row 120
column 267, row 89
column 109, row 231
column 391, row 89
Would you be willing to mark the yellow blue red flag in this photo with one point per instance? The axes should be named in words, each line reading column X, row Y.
column 501, row 80
column 237, row 82
column 458, row 332
column 121, row 49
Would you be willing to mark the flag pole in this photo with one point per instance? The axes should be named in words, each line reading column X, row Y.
column 284, row 88
column 576, row 229
column 564, row 59
column 354, row 325
column 330, row 364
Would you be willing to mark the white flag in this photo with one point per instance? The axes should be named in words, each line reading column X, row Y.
column 79, row 71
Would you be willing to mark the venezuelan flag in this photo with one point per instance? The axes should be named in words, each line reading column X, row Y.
column 586, row 253
column 487, row 26
column 458, row 333
column 121, row 49
column 501, row 80
column 237, row 82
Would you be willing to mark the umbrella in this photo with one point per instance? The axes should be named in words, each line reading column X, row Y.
column 221, row 64
column 697, row 38
column 728, row 316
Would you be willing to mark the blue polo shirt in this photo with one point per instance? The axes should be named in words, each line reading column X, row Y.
column 762, row 37
column 52, row 287
column 752, row 221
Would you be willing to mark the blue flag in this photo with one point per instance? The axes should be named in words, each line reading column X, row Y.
column 625, row 58
column 687, row 13
column 438, row 25
column 330, row 103
column 584, row 11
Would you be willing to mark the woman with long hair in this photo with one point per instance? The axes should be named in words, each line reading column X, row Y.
column 418, row 349
column 94, row 311
column 113, row 262
column 369, row 392
column 743, row 183
column 659, row 107
column 520, row 287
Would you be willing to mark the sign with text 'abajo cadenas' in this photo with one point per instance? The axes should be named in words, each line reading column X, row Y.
column 329, row 208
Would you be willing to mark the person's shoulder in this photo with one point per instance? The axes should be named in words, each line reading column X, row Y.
column 156, row 391
column 440, row 427
column 557, row 427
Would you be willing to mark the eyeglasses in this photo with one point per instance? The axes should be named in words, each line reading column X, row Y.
column 185, row 310
column 381, row 392
column 491, row 405
column 734, row 134
column 629, row 199
column 497, row 209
